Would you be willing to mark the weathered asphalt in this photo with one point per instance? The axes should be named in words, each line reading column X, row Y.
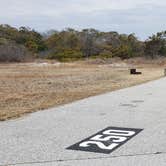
column 41, row 139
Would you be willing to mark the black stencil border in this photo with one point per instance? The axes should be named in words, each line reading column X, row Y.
column 97, row 150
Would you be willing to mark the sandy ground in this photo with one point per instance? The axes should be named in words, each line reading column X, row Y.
column 29, row 87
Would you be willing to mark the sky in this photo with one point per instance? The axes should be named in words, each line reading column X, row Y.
column 142, row 17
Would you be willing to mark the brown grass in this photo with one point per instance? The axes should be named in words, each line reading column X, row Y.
column 29, row 87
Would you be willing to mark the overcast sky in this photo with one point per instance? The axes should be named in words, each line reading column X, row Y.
column 142, row 17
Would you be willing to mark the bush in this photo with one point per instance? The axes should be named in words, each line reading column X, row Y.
column 124, row 52
column 3, row 41
column 66, row 55
column 12, row 52
column 105, row 54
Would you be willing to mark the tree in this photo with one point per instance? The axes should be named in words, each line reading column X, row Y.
column 88, row 38
column 86, row 43
column 12, row 52
column 124, row 52
column 156, row 45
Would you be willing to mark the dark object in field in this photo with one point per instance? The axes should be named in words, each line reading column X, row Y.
column 134, row 71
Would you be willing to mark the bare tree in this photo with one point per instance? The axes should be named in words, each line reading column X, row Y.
column 12, row 52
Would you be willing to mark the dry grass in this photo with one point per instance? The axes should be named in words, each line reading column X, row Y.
column 28, row 87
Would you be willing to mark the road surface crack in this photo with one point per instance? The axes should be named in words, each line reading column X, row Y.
column 81, row 159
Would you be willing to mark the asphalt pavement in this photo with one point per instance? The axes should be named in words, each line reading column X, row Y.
column 42, row 138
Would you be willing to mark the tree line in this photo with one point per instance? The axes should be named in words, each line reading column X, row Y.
column 17, row 44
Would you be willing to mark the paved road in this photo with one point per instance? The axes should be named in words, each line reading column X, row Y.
column 41, row 139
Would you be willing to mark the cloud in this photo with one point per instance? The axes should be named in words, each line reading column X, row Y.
column 143, row 17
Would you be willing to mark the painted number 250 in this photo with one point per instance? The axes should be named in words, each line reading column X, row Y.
column 116, row 137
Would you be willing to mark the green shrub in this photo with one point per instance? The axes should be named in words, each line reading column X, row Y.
column 105, row 54
column 66, row 55
column 123, row 52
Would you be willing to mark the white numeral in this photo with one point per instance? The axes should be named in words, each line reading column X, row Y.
column 107, row 138
column 99, row 144
column 119, row 132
